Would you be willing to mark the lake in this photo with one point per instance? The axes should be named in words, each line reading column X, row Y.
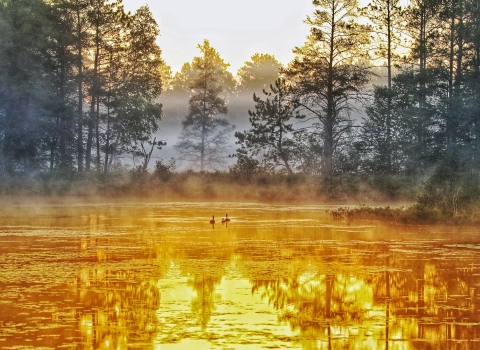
column 160, row 276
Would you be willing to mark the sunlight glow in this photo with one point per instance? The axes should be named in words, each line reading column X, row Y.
column 237, row 30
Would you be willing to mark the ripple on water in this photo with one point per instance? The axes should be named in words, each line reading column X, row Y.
column 140, row 275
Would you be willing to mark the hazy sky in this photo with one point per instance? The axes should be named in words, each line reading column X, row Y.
column 236, row 29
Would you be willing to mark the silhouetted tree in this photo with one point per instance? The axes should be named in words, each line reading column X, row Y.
column 132, row 109
column 271, row 133
column 328, row 73
column 61, row 65
column 80, row 25
column 204, row 135
column 259, row 73
column 25, row 86
column 182, row 81
column 387, row 17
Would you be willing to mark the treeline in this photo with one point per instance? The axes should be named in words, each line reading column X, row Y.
column 80, row 82
column 427, row 112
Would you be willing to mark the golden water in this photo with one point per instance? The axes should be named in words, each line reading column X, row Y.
column 159, row 276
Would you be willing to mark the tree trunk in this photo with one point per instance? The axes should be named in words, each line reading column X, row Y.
column 62, row 128
column 281, row 151
column 88, row 157
column 459, row 74
column 476, row 83
column 107, row 136
column 93, row 96
column 202, row 150
column 112, row 156
column 9, row 127
column 421, row 123
column 80, row 93
column 389, row 100
column 53, row 145
column 450, row 112
column 97, row 134
column 328, row 145
column 330, row 117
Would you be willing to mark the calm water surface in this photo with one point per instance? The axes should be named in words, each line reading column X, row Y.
column 159, row 276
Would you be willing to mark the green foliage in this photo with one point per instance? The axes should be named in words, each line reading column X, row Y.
column 259, row 73
column 80, row 82
column 308, row 149
column 24, row 82
column 164, row 171
column 183, row 80
column 453, row 188
column 450, row 195
column 270, row 132
column 128, row 83
column 381, row 133
column 246, row 165
column 413, row 214
column 204, row 136
column 387, row 17
column 329, row 71
column 53, row 55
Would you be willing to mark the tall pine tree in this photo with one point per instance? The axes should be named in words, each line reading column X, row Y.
column 204, row 135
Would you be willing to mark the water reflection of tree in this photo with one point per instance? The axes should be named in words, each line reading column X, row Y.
column 203, row 262
column 117, row 296
column 309, row 288
column 313, row 303
column 437, row 294
column 118, row 306
column 203, row 304
column 205, row 265
column 323, row 292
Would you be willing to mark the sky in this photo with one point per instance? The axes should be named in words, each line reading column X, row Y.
column 236, row 29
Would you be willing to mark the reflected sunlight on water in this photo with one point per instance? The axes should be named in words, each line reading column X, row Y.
column 159, row 276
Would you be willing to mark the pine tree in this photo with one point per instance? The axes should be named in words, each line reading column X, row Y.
column 24, row 86
column 106, row 21
column 133, row 112
column 271, row 133
column 259, row 73
column 387, row 17
column 204, row 135
column 328, row 72
column 60, row 67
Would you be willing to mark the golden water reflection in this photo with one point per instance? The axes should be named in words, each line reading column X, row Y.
column 157, row 276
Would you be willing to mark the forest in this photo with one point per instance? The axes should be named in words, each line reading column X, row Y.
column 381, row 103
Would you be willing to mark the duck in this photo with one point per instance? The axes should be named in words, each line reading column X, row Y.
column 213, row 219
column 223, row 220
column 226, row 218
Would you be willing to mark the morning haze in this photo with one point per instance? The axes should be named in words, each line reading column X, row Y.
column 190, row 175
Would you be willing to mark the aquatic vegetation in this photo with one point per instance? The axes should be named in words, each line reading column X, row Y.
column 414, row 214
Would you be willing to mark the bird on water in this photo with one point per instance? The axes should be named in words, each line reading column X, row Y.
column 226, row 218
column 213, row 219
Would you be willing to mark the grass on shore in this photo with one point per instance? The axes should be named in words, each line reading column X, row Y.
column 217, row 186
column 431, row 200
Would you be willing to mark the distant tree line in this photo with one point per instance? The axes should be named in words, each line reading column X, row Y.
column 80, row 81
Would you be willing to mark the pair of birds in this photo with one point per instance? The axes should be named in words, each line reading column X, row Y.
column 226, row 219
